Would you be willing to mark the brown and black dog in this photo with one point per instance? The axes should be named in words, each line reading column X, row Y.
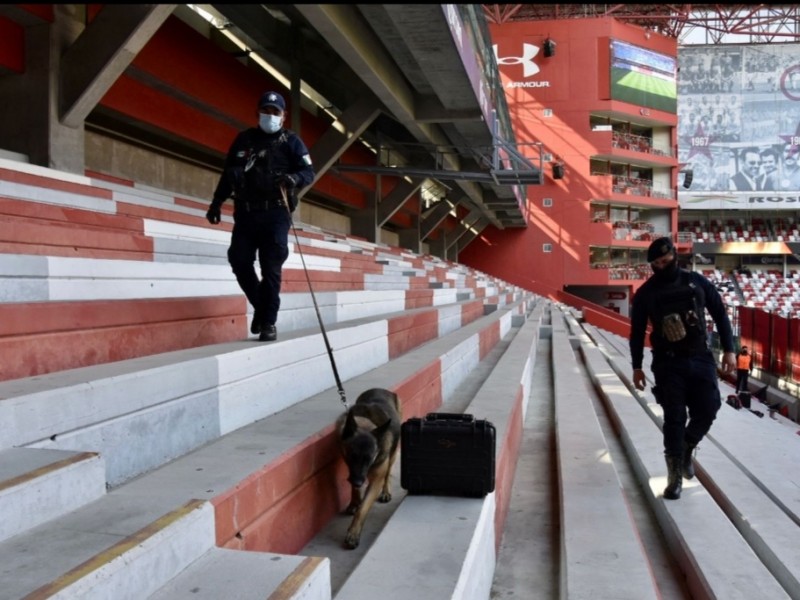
column 369, row 438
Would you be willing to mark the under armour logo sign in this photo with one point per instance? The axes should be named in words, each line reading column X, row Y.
column 272, row 98
column 529, row 52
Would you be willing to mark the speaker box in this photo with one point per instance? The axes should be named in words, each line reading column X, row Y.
column 558, row 171
column 549, row 48
column 687, row 179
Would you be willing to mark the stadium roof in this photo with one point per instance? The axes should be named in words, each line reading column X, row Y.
column 689, row 23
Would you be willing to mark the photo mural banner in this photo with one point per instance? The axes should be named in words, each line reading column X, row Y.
column 739, row 126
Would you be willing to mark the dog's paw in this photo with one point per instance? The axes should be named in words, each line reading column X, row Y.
column 351, row 541
column 351, row 509
column 385, row 497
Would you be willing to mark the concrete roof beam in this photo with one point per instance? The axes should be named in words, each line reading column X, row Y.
column 102, row 52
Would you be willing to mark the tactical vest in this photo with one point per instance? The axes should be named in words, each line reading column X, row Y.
column 677, row 312
column 256, row 177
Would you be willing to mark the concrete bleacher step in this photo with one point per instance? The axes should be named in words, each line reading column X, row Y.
column 37, row 485
column 110, row 310
column 591, row 496
column 172, row 234
column 264, row 478
column 432, row 547
column 453, row 541
column 222, row 573
column 140, row 553
column 700, row 535
column 45, row 337
column 180, row 292
column 104, row 406
column 727, row 510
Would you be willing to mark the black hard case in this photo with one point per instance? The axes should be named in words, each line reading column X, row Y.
column 447, row 453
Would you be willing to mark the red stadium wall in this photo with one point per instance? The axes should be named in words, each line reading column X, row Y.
column 572, row 83
column 12, row 46
column 179, row 63
column 773, row 341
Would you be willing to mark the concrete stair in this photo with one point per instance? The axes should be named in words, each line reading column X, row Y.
column 130, row 565
column 453, row 541
column 207, row 470
column 169, row 427
column 222, row 573
column 114, row 272
column 202, row 448
column 734, row 529
column 263, row 479
column 38, row 485
column 590, row 493
column 598, row 537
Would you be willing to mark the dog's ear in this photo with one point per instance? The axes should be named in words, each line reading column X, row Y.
column 350, row 426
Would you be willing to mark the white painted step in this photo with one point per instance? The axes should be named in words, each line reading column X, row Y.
column 37, row 485
column 76, row 558
column 243, row 575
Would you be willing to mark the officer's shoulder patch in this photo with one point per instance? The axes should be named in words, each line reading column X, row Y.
column 307, row 159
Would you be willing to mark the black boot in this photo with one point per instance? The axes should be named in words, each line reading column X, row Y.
column 255, row 326
column 687, row 466
column 268, row 333
column 674, row 481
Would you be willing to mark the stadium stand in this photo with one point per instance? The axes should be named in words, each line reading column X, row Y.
column 205, row 470
column 756, row 229
column 131, row 265
column 771, row 291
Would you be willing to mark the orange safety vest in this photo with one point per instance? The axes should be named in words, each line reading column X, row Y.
column 743, row 362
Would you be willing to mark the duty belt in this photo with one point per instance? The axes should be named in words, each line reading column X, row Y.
column 685, row 353
column 255, row 205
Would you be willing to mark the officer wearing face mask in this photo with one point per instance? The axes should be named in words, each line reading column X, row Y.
column 265, row 168
column 674, row 302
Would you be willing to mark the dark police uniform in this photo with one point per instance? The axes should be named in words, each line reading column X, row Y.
column 256, row 167
column 685, row 370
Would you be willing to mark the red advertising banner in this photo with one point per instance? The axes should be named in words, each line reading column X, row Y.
column 780, row 346
column 794, row 349
column 760, row 349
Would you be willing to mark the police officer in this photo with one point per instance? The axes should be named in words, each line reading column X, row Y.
column 265, row 168
column 674, row 301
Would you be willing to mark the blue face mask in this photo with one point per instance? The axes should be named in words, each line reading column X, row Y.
column 270, row 123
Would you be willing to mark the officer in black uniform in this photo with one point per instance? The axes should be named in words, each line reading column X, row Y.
column 674, row 301
column 264, row 165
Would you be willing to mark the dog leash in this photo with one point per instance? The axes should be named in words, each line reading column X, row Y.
column 340, row 387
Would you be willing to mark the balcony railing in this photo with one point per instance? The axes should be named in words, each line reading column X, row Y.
column 638, row 187
column 618, row 271
column 636, row 231
column 637, row 143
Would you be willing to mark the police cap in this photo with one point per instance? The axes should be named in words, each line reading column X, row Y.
column 272, row 99
column 660, row 247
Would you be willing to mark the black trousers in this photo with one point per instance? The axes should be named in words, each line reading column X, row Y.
column 263, row 233
column 686, row 384
column 742, row 377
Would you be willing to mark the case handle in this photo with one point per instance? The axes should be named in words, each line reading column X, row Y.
column 438, row 416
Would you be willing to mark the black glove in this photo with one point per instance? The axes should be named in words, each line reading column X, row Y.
column 214, row 214
column 288, row 181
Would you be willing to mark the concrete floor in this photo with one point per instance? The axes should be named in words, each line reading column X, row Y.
column 527, row 564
